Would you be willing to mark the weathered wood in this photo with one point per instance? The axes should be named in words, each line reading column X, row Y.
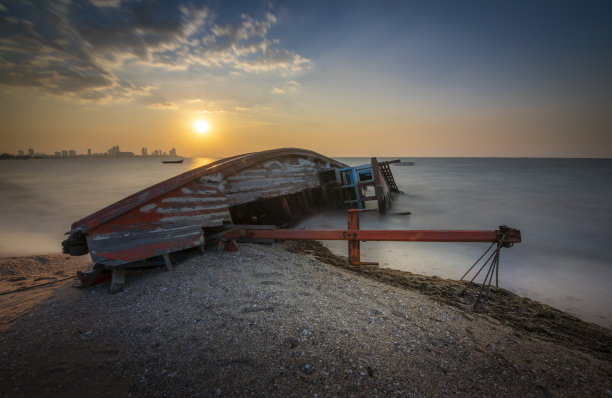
column 286, row 208
column 167, row 262
column 118, row 279
column 88, row 278
column 383, row 193
column 221, row 168
column 305, row 201
column 388, row 175
column 273, row 178
column 127, row 246
column 170, row 216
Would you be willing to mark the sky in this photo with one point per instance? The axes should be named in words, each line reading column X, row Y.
column 343, row 78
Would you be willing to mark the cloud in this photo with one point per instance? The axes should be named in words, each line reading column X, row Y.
column 291, row 85
column 166, row 105
column 54, row 64
column 244, row 46
column 85, row 50
column 105, row 3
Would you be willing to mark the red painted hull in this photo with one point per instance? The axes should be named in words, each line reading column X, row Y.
column 175, row 214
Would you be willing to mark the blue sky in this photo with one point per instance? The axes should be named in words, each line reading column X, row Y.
column 346, row 78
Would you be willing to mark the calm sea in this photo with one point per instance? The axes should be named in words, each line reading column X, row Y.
column 563, row 208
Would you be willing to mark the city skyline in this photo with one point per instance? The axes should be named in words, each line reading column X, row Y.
column 111, row 152
column 358, row 78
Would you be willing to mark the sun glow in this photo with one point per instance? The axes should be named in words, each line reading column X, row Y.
column 201, row 126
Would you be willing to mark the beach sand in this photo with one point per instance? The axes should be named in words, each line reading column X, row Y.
column 26, row 281
column 288, row 319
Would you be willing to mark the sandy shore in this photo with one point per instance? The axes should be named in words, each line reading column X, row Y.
column 26, row 281
column 284, row 320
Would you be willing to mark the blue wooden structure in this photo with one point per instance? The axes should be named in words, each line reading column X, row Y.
column 367, row 182
column 354, row 182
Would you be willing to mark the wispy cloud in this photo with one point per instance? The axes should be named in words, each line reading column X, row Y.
column 291, row 85
column 166, row 105
column 105, row 3
column 87, row 50
column 245, row 46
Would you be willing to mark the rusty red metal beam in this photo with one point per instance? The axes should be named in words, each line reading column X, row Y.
column 513, row 236
column 354, row 235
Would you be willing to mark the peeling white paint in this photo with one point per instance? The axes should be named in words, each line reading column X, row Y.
column 205, row 218
column 148, row 208
column 186, row 191
column 130, row 233
column 192, row 199
column 212, row 178
column 208, row 192
column 101, row 237
column 168, row 210
column 190, row 234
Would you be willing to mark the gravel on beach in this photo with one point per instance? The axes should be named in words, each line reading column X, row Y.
column 266, row 321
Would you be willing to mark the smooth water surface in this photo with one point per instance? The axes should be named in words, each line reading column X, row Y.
column 563, row 208
column 41, row 198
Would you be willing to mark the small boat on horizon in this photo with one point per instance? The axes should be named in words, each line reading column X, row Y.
column 172, row 160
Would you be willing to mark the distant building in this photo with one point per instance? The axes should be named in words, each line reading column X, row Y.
column 72, row 153
column 143, row 151
column 58, row 154
column 88, row 151
column 173, row 152
column 20, row 153
column 30, row 152
column 113, row 151
column 64, row 153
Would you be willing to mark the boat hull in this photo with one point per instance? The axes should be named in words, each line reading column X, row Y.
column 264, row 187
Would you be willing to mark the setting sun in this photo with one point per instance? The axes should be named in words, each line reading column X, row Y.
column 201, row 126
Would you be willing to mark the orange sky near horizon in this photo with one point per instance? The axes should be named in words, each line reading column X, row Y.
column 49, row 126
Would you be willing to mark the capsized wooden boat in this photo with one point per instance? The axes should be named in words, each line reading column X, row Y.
column 275, row 187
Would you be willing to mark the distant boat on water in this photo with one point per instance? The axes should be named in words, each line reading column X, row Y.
column 172, row 161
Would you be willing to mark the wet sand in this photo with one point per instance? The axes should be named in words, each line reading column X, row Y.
column 284, row 320
column 26, row 281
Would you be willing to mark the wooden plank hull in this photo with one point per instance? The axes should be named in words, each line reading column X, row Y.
column 131, row 246
column 272, row 178
column 175, row 214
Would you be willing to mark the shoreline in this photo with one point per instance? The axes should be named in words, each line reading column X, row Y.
column 281, row 320
column 521, row 312
column 22, row 275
